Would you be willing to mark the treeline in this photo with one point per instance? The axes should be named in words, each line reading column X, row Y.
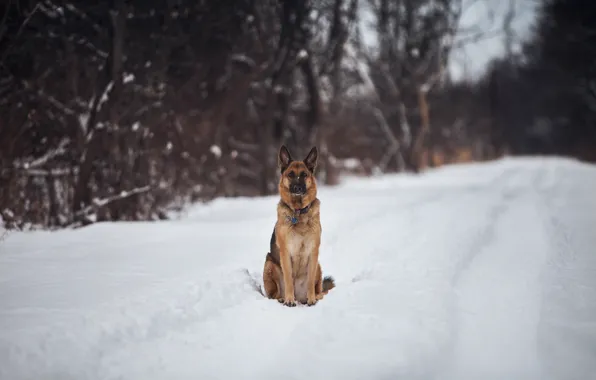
column 123, row 110
column 547, row 93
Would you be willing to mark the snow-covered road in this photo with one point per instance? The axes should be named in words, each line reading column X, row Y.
column 482, row 271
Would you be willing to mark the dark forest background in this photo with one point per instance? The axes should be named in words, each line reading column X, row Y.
column 125, row 110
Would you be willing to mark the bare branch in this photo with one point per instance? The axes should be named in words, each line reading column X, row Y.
column 394, row 146
column 33, row 164
column 52, row 100
column 84, row 16
column 3, row 234
column 18, row 33
column 97, row 204
column 237, row 144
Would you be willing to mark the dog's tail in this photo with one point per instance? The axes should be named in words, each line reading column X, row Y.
column 328, row 284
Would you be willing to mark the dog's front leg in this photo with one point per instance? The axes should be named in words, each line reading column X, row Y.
column 286, row 268
column 313, row 263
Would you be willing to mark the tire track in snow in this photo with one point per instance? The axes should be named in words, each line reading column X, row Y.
column 567, row 327
column 486, row 235
column 472, row 247
column 483, row 272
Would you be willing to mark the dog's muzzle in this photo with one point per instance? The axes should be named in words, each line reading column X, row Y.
column 298, row 189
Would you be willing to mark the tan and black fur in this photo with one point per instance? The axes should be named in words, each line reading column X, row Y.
column 292, row 271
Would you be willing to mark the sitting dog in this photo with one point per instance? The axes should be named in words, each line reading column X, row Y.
column 292, row 271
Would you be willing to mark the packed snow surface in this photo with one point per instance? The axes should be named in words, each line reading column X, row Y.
column 480, row 271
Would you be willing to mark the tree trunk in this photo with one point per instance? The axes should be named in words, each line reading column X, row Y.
column 421, row 138
column 89, row 141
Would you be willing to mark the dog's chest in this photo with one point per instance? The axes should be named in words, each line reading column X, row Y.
column 299, row 245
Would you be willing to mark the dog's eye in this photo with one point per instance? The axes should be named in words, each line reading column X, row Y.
column 291, row 174
column 303, row 174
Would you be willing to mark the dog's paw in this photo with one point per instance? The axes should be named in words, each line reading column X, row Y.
column 311, row 302
column 288, row 302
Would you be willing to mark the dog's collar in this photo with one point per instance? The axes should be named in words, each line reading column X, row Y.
column 301, row 211
column 297, row 212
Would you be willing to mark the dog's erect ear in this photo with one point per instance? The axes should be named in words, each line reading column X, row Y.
column 284, row 159
column 311, row 160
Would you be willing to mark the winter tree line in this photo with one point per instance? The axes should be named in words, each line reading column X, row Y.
column 125, row 110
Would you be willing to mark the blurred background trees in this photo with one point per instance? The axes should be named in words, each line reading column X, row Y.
column 126, row 110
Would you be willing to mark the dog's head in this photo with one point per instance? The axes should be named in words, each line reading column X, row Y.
column 297, row 182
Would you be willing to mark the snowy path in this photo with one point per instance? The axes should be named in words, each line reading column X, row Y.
column 498, row 314
column 471, row 272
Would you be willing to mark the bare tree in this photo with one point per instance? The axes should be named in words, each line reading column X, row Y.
column 414, row 39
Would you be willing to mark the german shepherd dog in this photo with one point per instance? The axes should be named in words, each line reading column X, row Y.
column 292, row 271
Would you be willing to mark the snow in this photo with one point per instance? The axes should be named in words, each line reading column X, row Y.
column 474, row 271
column 244, row 59
column 302, row 54
column 215, row 150
column 83, row 121
column 127, row 78
column 105, row 95
column 351, row 163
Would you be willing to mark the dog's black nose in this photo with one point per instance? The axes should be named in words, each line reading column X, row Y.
column 298, row 188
